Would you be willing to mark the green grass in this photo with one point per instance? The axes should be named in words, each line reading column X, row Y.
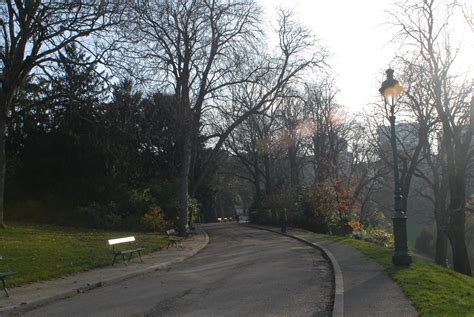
column 45, row 252
column 434, row 290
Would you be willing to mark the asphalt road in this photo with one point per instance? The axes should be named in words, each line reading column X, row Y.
column 242, row 272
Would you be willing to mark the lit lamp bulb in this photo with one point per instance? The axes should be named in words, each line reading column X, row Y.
column 390, row 94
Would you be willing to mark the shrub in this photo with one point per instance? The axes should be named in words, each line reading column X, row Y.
column 100, row 216
column 260, row 216
column 154, row 220
column 193, row 207
column 355, row 225
column 381, row 237
column 377, row 236
column 325, row 208
column 280, row 206
column 358, row 231
column 424, row 242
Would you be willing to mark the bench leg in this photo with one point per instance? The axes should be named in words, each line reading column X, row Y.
column 115, row 257
column 5, row 288
column 140, row 256
column 123, row 258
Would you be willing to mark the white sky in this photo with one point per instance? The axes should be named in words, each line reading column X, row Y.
column 358, row 39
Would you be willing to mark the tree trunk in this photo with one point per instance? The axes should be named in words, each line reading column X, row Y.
column 440, row 213
column 185, row 148
column 294, row 175
column 441, row 252
column 457, row 220
column 221, row 205
column 458, row 243
column 456, row 176
column 268, row 177
column 193, row 170
column 3, row 126
column 184, row 180
column 258, row 190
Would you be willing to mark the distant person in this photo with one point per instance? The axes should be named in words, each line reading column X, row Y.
column 237, row 218
column 284, row 221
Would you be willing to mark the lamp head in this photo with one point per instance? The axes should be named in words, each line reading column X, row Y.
column 390, row 88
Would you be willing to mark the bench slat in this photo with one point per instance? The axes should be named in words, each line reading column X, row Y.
column 121, row 240
column 117, row 252
column 175, row 238
column 6, row 274
column 128, row 251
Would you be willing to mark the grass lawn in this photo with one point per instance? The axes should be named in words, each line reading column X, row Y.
column 434, row 290
column 44, row 252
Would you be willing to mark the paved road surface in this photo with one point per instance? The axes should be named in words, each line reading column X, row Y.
column 242, row 272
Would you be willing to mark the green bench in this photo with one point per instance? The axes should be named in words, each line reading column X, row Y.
column 174, row 239
column 119, row 250
column 3, row 277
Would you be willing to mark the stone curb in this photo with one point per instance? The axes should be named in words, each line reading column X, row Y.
column 338, row 307
column 22, row 308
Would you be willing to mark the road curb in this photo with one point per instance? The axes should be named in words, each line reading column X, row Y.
column 338, row 306
column 24, row 307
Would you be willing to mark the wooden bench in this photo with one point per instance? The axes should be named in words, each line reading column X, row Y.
column 174, row 239
column 4, row 276
column 117, row 251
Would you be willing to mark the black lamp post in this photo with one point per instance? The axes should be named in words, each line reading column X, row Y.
column 390, row 90
column 1, row 82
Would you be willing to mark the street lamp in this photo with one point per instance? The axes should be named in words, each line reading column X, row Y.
column 2, row 71
column 390, row 90
column 1, row 81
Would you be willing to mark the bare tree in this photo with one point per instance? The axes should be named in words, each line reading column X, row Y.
column 256, row 144
column 436, row 179
column 268, row 144
column 329, row 129
column 425, row 26
column 426, row 162
column 365, row 171
column 31, row 33
column 200, row 49
column 294, row 135
column 297, row 52
column 466, row 9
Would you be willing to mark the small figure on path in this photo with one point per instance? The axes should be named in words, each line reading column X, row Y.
column 283, row 221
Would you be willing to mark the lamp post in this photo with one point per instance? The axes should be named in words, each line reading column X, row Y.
column 1, row 83
column 390, row 90
column 1, row 80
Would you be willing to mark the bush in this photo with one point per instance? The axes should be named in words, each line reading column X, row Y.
column 425, row 242
column 380, row 236
column 154, row 220
column 100, row 216
column 193, row 207
column 322, row 210
column 48, row 209
column 279, row 207
column 358, row 231
column 260, row 216
column 377, row 236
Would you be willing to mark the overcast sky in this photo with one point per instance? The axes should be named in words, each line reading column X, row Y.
column 358, row 37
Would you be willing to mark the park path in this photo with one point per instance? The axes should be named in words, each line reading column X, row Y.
column 241, row 272
column 29, row 296
column 368, row 289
